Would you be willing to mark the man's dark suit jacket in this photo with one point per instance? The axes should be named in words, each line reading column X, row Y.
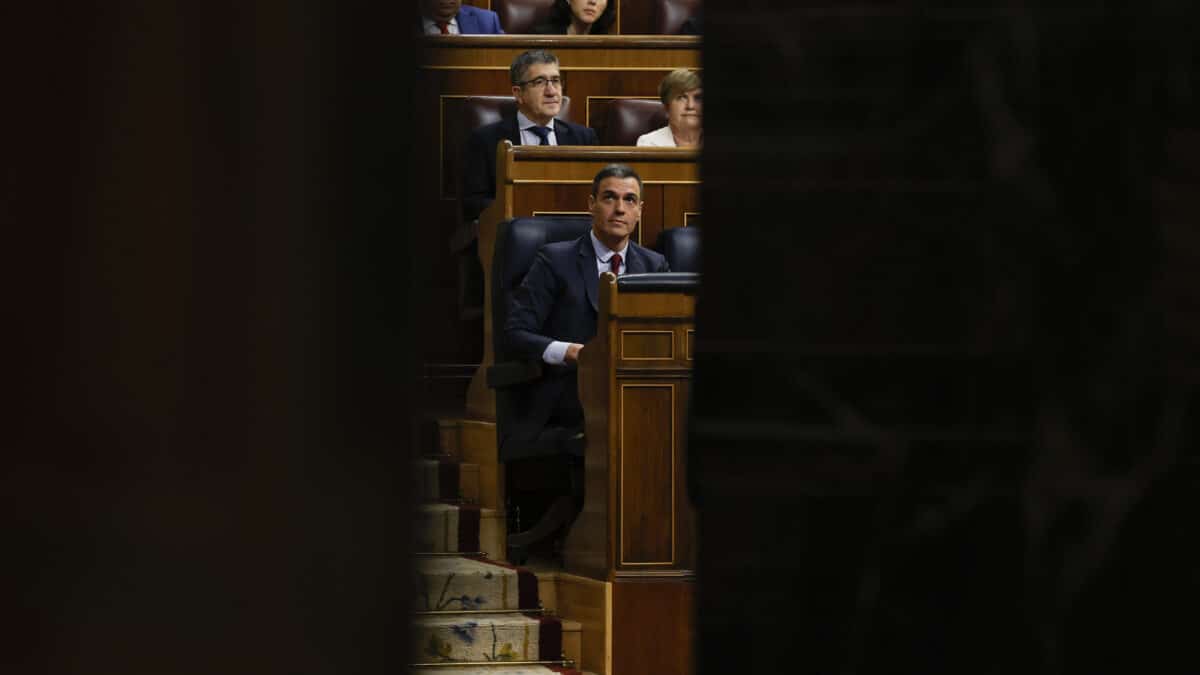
column 476, row 21
column 559, row 300
column 479, row 162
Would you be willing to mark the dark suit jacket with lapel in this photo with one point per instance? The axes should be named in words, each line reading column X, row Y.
column 479, row 163
column 474, row 21
column 559, row 300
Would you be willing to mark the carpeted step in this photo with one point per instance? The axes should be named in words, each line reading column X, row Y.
column 459, row 528
column 487, row 637
column 454, row 583
column 441, row 479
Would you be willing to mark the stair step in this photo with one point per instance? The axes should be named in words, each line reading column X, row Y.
column 473, row 584
column 446, row 479
column 449, row 528
column 493, row 638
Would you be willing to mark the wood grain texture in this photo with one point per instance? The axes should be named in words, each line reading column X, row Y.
column 589, row 602
column 647, row 473
column 451, row 68
column 532, row 179
column 653, row 627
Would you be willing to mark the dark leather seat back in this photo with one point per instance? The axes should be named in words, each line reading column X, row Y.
column 481, row 110
column 519, row 17
column 474, row 112
column 681, row 247
column 669, row 15
column 517, row 244
column 629, row 118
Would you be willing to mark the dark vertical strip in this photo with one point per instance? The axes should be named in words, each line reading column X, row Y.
column 449, row 480
column 468, row 528
column 549, row 638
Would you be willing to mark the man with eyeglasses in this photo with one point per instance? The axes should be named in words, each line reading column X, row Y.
column 537, row 86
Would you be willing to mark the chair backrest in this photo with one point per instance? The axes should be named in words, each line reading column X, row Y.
column 474, row 112
column 681, row 247
column 519, row 17
column 629, row 118
column 481, row 110
column 517, row 244
column 669, row 15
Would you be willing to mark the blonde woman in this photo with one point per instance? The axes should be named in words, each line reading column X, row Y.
column 682, row 96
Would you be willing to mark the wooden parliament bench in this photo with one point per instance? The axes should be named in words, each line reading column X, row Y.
column 636, row 529
column 451, row 69
column 540, row 180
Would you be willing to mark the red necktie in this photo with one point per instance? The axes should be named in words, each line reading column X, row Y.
column 444, row 26
column 615, row 263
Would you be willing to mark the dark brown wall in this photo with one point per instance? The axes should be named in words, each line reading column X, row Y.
column 945, row 400
column 206, row 287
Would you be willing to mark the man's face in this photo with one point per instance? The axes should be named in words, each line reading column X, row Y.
column 541, row 99
column 616, row 210
column 441, row 10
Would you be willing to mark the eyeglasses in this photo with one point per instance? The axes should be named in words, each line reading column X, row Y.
column 539, row 82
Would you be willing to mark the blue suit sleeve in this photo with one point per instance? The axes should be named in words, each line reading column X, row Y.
column 529, row 307
column 496, row 29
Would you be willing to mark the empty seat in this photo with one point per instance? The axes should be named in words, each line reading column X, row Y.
column 629, row 118
column 669, row 15
column 681, row 247
column 519, row 17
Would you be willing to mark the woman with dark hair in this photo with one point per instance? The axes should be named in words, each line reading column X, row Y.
column 579, row 17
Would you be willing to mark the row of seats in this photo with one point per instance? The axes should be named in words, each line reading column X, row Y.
column 627, row 118
column 520, row 16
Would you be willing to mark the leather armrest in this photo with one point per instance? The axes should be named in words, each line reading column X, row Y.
column 510, row 373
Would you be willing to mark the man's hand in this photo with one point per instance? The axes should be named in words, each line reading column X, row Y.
column 572, row 355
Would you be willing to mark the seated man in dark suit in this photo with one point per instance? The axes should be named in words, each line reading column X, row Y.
column 553, row 313
column 451, row 17
column 538, row 88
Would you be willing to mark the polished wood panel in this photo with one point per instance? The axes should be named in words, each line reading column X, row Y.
column 452, row 68
column 533, row 179
column 653, row 627
column 646, row 481
column 637, row 518
column 636, row 528
column 650, row 345
column 589, row 602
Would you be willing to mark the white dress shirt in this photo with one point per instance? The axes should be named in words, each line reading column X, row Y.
column 431, row 27
column 530, row 138
column 556, row 352
column 659, row 138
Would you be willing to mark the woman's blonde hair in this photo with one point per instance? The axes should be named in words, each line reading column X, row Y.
column 678, row 82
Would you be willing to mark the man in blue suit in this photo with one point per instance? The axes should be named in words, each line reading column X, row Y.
column 451, row 17
column 537, row 87
column 554, row 311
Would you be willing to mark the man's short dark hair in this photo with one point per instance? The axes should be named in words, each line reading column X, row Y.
column 616, row 171
column 520, row 65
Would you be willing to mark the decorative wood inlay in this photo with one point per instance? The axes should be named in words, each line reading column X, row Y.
column 647, row 345
column 690, row 339
column 646, row 488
